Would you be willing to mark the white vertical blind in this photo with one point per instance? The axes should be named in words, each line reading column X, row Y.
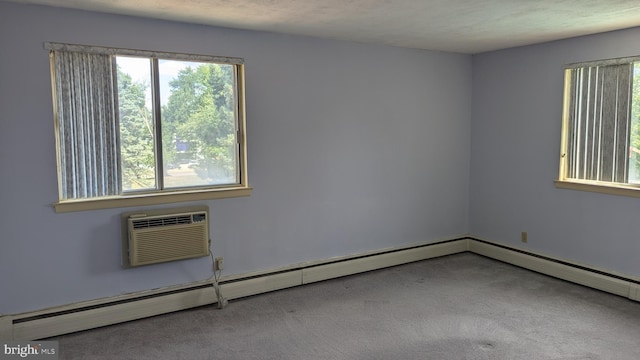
column 600, row 122
column 86, row 119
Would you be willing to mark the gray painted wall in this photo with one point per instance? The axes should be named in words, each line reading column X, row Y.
column 517, row 110
column 352, row 148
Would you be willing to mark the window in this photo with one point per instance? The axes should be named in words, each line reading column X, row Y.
column 600, row 148
column 137, row 127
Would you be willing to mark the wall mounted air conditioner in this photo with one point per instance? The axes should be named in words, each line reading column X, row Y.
column 167, row 237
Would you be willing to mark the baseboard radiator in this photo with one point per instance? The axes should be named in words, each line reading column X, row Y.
column 102, row 312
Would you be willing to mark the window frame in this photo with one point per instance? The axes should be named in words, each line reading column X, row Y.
column 565, row 182
column 158, row 196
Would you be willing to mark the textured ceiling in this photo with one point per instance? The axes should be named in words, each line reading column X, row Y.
column 465, row 26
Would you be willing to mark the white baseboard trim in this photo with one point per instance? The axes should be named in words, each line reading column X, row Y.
column 263, row 284
column 31, row 328
column 588, row 277
column 358, row 265
column 101, row 312
column 634, row 292
column 6, row 328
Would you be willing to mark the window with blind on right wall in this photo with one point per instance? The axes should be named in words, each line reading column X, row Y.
column 600, row 147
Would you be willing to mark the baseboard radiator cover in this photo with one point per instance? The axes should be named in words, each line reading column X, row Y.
column 6, row 327
column 592, row 278
column 363, row 264
column 103, row 312
column 634, row 292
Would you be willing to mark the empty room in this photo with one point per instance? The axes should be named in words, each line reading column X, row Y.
column 319, row 180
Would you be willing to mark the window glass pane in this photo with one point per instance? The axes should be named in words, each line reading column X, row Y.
column 634, row 146
column 136, row 123
column 198, row 119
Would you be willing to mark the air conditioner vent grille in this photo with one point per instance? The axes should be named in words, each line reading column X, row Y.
column 161, row 221
column 179, row 242
column 155, row 239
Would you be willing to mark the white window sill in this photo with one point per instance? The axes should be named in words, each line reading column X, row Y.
column 150, row 199
column 599, row 187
